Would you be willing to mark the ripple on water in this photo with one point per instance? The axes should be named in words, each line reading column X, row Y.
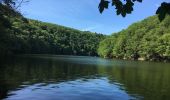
column 92, row 89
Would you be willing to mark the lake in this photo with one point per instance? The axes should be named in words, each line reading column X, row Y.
column 50, row 77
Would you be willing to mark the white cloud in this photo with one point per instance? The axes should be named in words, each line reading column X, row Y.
column 91, row 28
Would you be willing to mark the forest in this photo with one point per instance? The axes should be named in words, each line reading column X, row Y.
column 44, row 60
column 148, row 39
column 19, row 35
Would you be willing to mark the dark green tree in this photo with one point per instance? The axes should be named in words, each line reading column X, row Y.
column 124, row 7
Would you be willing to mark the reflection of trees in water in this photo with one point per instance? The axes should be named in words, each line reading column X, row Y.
column 152, row 82
column 144, row 80
column 35, row 70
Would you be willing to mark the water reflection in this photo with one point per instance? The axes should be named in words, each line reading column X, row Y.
column 78, row 78
column 93, row 89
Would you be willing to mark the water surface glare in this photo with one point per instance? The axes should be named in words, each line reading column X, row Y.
column 50, row 77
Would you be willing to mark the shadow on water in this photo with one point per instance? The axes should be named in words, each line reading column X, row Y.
column 73, row 78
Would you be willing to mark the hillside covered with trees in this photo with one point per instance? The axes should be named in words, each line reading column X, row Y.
column 19, row 35
column 148, row 39
column 145, row 40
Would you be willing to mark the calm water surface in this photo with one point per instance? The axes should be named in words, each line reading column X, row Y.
column 48, row 77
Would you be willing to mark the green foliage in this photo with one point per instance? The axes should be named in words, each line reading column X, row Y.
column 105, row 47
column 148, row 39
column 163, row 10
column 124, row 7
column 30, row 36
column 103, row 5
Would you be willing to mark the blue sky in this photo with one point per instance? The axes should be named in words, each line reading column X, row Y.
column 84, row 14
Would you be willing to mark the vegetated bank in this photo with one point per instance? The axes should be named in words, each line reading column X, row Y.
column 145, row 40
column 148, row 39
column 19, row 35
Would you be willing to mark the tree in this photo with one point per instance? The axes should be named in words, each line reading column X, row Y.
column 15, row 4
column 19, row 35
column 124, row 7
column 148, row 40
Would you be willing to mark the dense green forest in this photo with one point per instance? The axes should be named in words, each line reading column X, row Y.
column 145, row 40
column 148, row 39
column 19, row 35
